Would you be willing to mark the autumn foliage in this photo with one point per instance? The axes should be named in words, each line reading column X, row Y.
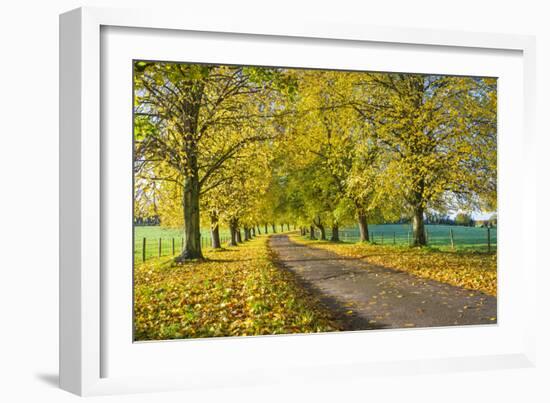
column 248, row 148
column 235, row 292
column 471, row 270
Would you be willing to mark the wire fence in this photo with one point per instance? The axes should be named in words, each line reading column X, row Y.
column 170, row 242
column 440, row 236
column 147, row 248
column 444, row 237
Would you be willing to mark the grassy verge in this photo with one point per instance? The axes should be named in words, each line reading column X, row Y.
column 471, row 270
column 235, row 292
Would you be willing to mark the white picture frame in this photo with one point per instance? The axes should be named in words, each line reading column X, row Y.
column 85, row 301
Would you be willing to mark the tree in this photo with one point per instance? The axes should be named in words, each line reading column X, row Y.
column 182, row 109
column 441, row 134
column 464, row 219
column 322, row 140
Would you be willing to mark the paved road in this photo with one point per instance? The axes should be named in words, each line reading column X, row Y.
column 365, row 296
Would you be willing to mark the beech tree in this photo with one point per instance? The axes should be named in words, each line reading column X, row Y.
column 255, row 148
column 181, row 110
column 441, row 133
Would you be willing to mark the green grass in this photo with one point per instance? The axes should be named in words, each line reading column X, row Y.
column 153, row 234
column 465, row 238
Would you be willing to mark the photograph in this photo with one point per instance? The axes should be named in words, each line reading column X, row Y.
column 272, row 200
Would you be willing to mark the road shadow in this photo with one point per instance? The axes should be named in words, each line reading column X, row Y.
column 343, row 316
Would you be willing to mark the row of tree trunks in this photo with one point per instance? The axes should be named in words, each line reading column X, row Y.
column 192, row 248
column 419, row 233
column 236, row 237
column 335, row 232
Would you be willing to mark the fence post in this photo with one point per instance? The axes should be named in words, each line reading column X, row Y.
column 160, row 247
column 143, row 249
column 409, row 237
column 452, row 238
column 427, row 240
column 488, row 239
column 173, row 247
column 394, row 237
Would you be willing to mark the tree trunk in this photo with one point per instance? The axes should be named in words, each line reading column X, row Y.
column 258, row 229
column 311, row 232
column 419, row 233
column 233, row 232
column 323, row 233
column 288, row 227
column 363, row 226
column 335, row 233
column 273, row 228
column 321, row 227
column 215, row 231
column 246, row 234
column 239, row 237
column 265, row 228
column 253, row 231
column 282, row 228
column 191, row 219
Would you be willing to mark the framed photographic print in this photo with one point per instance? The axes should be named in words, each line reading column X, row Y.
column 236, row 200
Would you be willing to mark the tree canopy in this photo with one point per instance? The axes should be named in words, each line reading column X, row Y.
column 248, row 147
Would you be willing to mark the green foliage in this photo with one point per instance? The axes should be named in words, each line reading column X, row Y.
column 464, row 219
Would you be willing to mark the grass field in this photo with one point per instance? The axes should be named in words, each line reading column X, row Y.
column 153, row 234
column 465, row 238
column 439, row 236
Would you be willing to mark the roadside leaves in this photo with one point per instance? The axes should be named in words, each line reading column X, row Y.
column 235, row 292
column 471, row 270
